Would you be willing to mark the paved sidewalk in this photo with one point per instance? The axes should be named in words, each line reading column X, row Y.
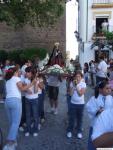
column 52, row 135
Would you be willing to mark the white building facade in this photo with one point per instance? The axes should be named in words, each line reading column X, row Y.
column 92, row 13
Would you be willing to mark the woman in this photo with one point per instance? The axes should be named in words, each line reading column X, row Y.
column 77, row 88
column 13, row 104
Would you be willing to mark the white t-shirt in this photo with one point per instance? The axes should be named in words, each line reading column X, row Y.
column 103, row 124
column 94, row 104
column 11, row 88
column 76, row 98
column 102, row 72
column 33, row 95
column 53, row 81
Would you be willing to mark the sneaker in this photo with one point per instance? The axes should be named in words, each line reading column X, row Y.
column 51, row 110
column 9, row 147
column 69, row 135
column 35, row 134
column 27, row 134
column 21, row 129
column 79, row 135
column 55, row 112
column 2, row 101
column 42, row 120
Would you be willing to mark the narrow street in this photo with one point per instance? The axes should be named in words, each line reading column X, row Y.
column 52, row 135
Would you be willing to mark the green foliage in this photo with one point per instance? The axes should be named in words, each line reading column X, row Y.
column 26, row 54
column 108, row 35
column 34, row 12
column 14, row 55
column 31, row 53
column 3, row 55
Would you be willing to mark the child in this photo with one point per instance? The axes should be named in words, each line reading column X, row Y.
column 31, row 101
column 78, row 88
column 97, row 104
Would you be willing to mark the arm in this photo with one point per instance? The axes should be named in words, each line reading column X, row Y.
column 102, row 135
column 23, row 87
column 41, row 85
column 81, row 91
column 91, row 107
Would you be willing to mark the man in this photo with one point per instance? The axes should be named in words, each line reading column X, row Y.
column 101, row 70
column 105, row 25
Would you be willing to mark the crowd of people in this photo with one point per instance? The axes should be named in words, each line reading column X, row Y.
column 24, row 90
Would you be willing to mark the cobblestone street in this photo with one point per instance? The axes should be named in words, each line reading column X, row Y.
column 52, row 135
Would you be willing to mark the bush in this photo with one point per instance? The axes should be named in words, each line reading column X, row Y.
column 31, row 53
column 3, row 55
column 20, row 56
column 14, row 55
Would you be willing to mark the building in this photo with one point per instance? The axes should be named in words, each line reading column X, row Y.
column 71, row 27
column 92, row 14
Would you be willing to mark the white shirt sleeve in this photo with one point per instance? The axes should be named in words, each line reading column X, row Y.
column 91, row 107
column 103, row 124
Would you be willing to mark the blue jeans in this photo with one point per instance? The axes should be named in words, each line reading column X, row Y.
column 14, row 110
column 90, row 144
column 75, row 113
column 68, row 102
column 32, row 106
column 41, row 105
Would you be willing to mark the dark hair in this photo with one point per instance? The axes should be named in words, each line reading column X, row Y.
column 78, row 72
column 10, row 72
column 102, row 56
column 32, row 70
column 100, row 85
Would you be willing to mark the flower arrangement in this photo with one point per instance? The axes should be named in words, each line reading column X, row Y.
column 55, row 69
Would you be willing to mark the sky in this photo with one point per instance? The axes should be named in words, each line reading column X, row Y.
column 71, row 27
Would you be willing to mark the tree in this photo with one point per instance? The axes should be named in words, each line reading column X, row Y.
column 34, row 12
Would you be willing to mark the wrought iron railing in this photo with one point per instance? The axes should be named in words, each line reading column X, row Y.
column 99, row 29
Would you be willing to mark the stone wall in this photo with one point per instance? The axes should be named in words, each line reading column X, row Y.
column 28, row 36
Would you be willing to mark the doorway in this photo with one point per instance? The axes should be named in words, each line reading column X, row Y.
column 99, row 22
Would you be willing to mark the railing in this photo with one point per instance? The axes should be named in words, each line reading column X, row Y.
column 99, row 29
column 97, row 32
column 102, row 1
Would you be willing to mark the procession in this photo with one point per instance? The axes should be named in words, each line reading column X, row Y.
column 56, row 75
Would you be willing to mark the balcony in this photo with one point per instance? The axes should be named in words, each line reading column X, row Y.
column 102, row 4
column 98, row 34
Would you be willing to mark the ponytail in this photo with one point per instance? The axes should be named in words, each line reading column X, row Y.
column 100, row 85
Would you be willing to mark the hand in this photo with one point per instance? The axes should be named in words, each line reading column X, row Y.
column 100, row 111
column 34, row 82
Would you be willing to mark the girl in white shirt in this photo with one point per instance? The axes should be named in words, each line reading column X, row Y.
column 77, row 88
column 13, row 106
column 98, row 103
column 31, row 96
